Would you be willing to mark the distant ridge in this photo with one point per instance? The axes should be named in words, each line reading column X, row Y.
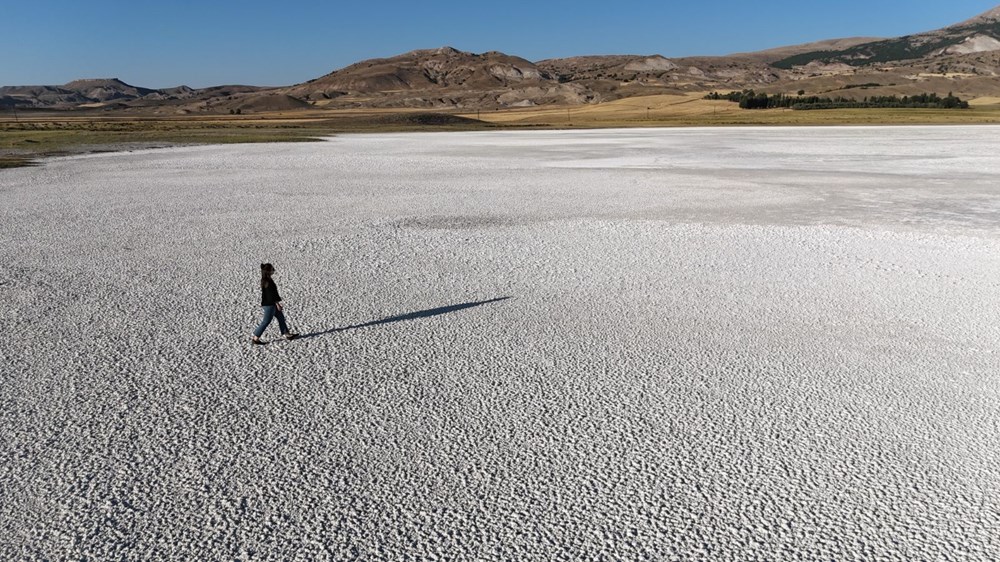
column 963, row 58
column 979, row 34
column 108, row 92
column 443, row 77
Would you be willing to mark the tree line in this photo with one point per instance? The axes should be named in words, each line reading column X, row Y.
column 748, row 99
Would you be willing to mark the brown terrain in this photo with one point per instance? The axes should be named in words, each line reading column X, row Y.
column 963, row 58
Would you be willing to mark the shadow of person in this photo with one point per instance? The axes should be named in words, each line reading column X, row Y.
column 408, row 316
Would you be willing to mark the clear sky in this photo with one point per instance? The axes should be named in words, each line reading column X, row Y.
column 202, row 43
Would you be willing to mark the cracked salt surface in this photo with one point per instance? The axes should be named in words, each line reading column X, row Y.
column 720, row 344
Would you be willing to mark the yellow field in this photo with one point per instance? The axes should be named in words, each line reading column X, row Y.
column 984, row 101
column 693, row 110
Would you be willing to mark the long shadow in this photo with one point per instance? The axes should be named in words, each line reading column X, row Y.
column 408, row 316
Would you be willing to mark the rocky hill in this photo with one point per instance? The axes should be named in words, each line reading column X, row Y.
column 80, row 92
column 978, row 35
column 110, row 93
column 749, row 69
column 444, row 77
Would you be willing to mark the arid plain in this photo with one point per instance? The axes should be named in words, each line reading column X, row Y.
column 694, row 344
column 32, row 135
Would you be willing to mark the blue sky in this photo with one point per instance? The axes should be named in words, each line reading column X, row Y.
column 205, row 43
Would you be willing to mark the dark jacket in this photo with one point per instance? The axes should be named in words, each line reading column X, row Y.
column 269, row 295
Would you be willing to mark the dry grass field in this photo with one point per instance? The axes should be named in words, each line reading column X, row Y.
column 693, row 110
column 25, row 137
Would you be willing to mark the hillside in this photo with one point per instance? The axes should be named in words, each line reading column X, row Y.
column 977, row 35
column 111, row 93
column 444, row 77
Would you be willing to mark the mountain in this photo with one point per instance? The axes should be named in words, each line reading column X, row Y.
column 41, row 96
column 963, row 58
column 977, row 35
column 444, row 77
column 84, row 92
column 103, row 90
column 108, row 92
column 78, row 92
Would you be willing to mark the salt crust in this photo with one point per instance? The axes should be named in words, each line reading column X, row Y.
column 724, row 344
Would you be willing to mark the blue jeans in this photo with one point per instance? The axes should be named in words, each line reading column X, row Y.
column 269, row 313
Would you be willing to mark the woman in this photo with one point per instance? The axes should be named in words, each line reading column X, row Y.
column 270, row 300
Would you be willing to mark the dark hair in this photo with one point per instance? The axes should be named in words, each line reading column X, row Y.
column 265, row 274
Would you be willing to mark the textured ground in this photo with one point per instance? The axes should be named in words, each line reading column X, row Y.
column 727, row 344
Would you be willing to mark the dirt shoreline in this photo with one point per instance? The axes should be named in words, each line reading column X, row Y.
column 29, row 143
column 25, row 159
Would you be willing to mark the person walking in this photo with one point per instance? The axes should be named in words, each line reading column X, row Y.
column 270, row 301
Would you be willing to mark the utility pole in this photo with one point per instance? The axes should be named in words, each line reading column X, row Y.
column 647, row 114
column 568, row 118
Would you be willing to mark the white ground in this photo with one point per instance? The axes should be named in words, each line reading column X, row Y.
column 725, row 344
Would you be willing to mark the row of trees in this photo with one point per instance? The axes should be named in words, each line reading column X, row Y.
column 748, row 99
